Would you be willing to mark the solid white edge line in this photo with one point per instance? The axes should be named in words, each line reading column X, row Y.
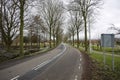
column 15, row 78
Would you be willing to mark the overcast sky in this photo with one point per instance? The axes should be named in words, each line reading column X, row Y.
column 108, row 14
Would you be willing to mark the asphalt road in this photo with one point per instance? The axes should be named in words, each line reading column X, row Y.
column 62, row 63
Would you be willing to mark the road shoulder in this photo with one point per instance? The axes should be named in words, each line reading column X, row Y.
column 88, row 67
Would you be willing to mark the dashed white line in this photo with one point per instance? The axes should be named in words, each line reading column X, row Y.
column 80, row 59
column 48, row 61
column 15, row 78
column 76, row 77
column 80, row 56
column 79, row 67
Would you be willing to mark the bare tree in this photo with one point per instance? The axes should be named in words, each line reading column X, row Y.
column 72, row 32
column 77, row 21
column 51, row 12
column 10, row 22
column 113, row 27
column 67, row 38
column 39, row 27
column 30, row 34
column 57, row 28
column 23, row 6
column 36, row 27
column 59, row 31
column 85, row 7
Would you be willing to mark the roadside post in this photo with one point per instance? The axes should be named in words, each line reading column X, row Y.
column 107, row 40
column 90, row 45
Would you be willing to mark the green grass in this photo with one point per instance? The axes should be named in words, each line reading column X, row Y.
column 99, row 58
column 106, row 72
column 108, row 49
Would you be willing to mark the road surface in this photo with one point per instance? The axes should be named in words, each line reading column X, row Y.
column 62, row 63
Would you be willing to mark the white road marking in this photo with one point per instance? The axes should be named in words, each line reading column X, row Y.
column 80, row 59
column 48, row 61
column 76, row 77
column 79, row 67
column 15, row 78
column 41, row 65
column 80, row 56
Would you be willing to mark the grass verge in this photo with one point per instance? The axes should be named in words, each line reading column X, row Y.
column 101, row 73
column 26, row 55
column 105, row 73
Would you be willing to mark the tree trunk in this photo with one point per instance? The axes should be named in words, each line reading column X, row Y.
column 77, row 38
column 38, row 43
column 1, row 25
column 30, row 42
column 39, row 40
column 57, row 40
column 8, row 48
column 44, row 39
column 53, row 38
column 73, row 39
column 86, row 45
column 21, row 26
column 30, row 38
column 50, row 38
